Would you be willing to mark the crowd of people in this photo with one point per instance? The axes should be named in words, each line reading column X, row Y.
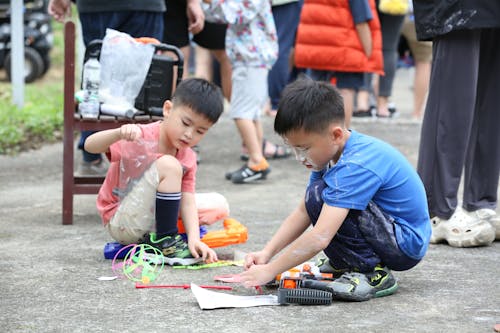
column 371, row 212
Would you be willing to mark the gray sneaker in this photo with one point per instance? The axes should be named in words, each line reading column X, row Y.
column 353, row 286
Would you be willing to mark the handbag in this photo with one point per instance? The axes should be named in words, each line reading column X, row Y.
column 393, row 7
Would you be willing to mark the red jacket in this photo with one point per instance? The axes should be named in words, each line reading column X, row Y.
column 327, row 39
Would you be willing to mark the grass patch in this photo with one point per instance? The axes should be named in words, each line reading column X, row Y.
column 40, row 120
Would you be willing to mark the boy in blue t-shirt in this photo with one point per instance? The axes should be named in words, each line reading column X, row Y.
column 365, row 201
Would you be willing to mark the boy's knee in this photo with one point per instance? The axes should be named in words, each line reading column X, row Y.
column 168, row 164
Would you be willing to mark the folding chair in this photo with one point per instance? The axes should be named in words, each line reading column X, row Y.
column 164, row 74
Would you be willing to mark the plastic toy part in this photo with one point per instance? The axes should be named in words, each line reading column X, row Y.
column 142, row 263
column 234, row 233
column 304, row 296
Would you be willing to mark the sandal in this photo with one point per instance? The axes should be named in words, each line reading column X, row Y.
column 276, row 152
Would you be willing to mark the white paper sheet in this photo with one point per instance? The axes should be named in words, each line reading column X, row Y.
column 208, row 299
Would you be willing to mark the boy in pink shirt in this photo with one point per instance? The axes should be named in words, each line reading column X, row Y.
column 152, row 173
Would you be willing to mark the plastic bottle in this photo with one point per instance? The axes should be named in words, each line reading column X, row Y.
column 89, row 107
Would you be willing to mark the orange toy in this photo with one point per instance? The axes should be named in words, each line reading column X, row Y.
column 233, row 233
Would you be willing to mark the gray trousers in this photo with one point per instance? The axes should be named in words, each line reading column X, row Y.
column 461, row 126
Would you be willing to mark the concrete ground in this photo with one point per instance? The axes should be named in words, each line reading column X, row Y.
column 49, row 271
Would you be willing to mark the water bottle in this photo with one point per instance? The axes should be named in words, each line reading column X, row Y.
column 89, row 107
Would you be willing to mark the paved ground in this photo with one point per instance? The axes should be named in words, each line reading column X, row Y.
column 49, row 271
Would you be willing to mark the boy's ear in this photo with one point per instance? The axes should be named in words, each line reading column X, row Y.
column 167, row 106
column 336, row 133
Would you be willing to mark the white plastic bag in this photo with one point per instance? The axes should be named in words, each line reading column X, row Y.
column 124, row 66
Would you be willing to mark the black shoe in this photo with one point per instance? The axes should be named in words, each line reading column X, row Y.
column 246, row 175
column 229, row 175
column 362, row 113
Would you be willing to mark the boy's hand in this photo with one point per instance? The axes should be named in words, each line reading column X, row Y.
column 130, row 132
column 256, row 258
column 198, row 248
column 257, row 275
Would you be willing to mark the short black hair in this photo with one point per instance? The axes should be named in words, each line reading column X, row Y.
column 309, row 105
column 202, row 96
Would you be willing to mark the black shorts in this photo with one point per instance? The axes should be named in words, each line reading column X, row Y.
column 176, row 24
column 212, row 37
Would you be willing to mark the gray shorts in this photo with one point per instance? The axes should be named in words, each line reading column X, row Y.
column 249, row 92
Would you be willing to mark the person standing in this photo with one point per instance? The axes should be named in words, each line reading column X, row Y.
column 460, row 133
column 422, row 55
column 340, row 41
column 252, row 47
column 286, row 14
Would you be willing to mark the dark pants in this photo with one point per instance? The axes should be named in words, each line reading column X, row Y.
column 134, row 23
column 462, row 121
column 365, row 238
column 391, row 26
column 286, row 18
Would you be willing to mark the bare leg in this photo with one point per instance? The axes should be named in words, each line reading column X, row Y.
column 420, row 86
column 186, row 51
column 225, row 72
column 249, row 133
column 203, row 63
column 363, row 100
column 383, row 106
column 348, row 96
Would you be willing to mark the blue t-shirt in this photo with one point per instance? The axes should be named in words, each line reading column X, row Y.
column 372, row 170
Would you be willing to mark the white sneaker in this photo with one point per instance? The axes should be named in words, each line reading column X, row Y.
column 488, row 215
column 464, row 229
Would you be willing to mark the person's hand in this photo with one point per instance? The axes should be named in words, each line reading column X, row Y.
column 59, row 9
column 257, row 275
column 256, row 258
column 130, row 132
column 196, row 17
column 198, row 248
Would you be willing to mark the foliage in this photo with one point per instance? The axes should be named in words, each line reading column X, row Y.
column 41, row 118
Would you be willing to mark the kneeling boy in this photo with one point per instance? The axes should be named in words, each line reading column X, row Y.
column 152, row 174
column 365, row 201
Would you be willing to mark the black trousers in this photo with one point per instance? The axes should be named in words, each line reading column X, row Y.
column 461, row 127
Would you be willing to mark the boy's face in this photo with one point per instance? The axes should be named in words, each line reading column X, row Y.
column 182, row 126
column 316, row 150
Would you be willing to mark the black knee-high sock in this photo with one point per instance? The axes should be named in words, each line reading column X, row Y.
column 167, row 212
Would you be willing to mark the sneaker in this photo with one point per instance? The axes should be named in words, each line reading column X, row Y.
column 463, row 229
column 174, row 249
column 246, row 174
column 354, row 286
column 488, row 215
column 229, row 175
column 325, row 266
column 99, row 168
column 362, row 113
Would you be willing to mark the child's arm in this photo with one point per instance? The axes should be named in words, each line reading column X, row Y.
column 189, row 214
column 99, row 142
column 365, row 37
column 362, row 14
column 302, row 249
